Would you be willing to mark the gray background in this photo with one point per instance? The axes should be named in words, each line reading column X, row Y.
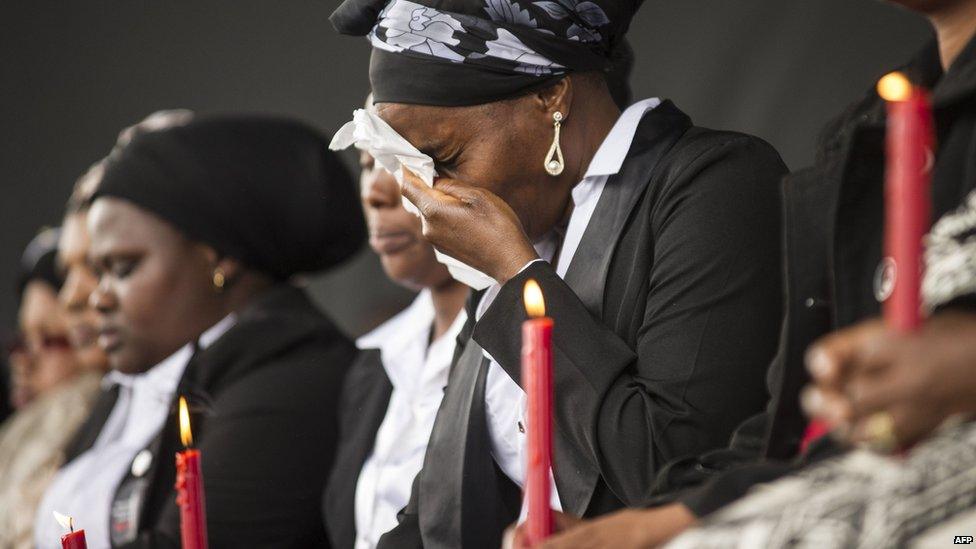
column 74, row 73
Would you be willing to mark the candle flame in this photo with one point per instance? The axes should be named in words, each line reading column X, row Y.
column 185, row 434
column 894, row 86
column 535, row 305
column 65, row 521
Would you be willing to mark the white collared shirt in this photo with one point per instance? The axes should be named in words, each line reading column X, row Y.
column 84, row 489
column 418, row 372
column 505, row 401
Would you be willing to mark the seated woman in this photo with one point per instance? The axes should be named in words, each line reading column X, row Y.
column 196, row 234
column 56, row 388
column 395, row 386
column 42, row 324
column 877, row 384
column 655, row 242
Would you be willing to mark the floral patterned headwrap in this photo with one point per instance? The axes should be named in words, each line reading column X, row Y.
column 469, row 52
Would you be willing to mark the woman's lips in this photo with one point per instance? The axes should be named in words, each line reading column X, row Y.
column 83, row 335
column 391, row 243
column 109, row 339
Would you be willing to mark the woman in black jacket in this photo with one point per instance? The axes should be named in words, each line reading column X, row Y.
column 196, row 232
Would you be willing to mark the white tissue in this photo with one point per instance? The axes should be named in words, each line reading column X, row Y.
column 370, row 133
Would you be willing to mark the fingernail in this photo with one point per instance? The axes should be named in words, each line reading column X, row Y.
column 812, row 401
column 819, row 364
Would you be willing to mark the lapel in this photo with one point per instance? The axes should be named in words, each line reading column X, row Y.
column 457, row 454
column 88, row 433
column 657, row 132
column 367, row 397
column 280, row 319
column 588, row 271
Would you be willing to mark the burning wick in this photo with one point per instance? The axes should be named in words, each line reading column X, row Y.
column 535, row 306
column 65, row 521
column 894, row 86
column 185, row 434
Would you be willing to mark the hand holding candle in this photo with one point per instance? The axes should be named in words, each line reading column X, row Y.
column 537, row 380
column 73, row 539
column 189, row 486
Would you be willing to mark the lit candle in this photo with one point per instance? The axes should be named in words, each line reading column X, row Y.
column 537, row 380
column 909, row 158
column 189, row 488
column 73, row 539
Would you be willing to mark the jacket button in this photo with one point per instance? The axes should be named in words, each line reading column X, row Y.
column 884, row 279
column 141, row 463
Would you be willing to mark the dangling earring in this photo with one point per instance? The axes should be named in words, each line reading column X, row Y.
column 554, row 159
column 219, row 279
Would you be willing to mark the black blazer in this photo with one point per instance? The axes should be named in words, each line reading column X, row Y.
column 263, row 400
column 664, row 326
column 834, row 222
column 365, row 399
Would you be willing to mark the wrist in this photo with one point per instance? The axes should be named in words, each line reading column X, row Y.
column 514, row 263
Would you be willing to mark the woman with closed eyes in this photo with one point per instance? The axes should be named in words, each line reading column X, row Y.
column 198, row 231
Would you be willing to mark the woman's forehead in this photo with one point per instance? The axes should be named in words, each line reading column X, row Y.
column 425, row 127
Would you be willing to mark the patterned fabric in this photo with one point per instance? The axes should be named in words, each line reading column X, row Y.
column 950, row 257
column 459, row 38
column 859, row 500
column 32, row 446
column 496, row 48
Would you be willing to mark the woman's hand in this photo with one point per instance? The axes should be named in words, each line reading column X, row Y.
column 914, row 381
column 625, row 529
column 471, row 225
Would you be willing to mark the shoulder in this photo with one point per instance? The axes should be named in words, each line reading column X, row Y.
column 721, row 167
column 700, row 147
column 366, row 378
column 304, row 375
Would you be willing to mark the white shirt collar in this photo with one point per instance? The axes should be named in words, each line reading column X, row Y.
column 402, row 334
column 403, row 327
column 613, row 151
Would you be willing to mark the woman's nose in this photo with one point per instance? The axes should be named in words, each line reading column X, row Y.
column 380, row 189
column 76, row 290
column 102, row 298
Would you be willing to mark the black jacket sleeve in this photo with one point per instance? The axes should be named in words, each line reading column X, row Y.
column 708, row 328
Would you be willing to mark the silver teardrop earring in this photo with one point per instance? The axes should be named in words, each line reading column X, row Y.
column 554, row 159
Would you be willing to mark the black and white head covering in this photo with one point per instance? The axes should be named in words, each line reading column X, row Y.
column 469, row 52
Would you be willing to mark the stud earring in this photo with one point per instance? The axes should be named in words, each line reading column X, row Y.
column 219, row 279
column 554, row 159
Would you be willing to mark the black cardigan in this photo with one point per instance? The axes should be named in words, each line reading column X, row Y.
column 263, row 400
column 834, row 220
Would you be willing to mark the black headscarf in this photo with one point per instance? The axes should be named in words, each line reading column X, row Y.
column 265, row 191
column 469, row 52
column 39, row 261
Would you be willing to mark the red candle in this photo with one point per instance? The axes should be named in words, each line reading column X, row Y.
column 908, row 162
column 189, row 488
column 74, row 539
column 537, row 380
column 909, row 158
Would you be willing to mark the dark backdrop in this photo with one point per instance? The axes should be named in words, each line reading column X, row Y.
column 74, row 73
